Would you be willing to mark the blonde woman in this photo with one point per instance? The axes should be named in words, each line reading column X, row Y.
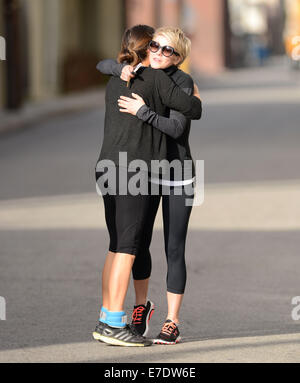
column 167, row 50
column 128, row 215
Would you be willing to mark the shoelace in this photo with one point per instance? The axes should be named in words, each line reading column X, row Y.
column 168, row 328
column 137, row 314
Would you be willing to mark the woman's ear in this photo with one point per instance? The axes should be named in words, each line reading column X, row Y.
column 178, row 60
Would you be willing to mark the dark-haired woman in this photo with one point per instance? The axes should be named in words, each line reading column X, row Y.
column 126, row 214
column 168, row 50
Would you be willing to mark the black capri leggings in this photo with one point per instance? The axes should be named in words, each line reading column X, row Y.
column 125, row 215
column 176, row 217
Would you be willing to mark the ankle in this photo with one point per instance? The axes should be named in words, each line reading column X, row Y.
column 173, row 318
column 140, row 302
column 116, row 319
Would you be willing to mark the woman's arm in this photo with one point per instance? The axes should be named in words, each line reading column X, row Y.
column 174, row 125
column 110, row 67
column 175, row 98
column 172, row 95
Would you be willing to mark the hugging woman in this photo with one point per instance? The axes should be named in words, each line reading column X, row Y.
column 130, row 218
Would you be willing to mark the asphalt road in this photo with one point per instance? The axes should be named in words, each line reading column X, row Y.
column 243, row 243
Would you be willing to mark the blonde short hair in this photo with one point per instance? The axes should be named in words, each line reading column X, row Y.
column 178, row 40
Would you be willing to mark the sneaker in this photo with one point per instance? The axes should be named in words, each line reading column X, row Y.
column 120, row 336
column 169, row 333
column 98, row 330
column 140, row 318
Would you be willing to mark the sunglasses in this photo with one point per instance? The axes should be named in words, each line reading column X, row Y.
column 166, row 50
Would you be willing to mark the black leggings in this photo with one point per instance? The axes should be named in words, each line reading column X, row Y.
column 175, row 219
column 130, row 221
column 125, row 215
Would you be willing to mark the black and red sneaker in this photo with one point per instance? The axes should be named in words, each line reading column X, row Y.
column 140, row 318
column 169, row 333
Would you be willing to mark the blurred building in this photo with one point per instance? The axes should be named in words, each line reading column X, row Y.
column 2, row 63
column 53, row 45
column 202, row 20
column 256, row 28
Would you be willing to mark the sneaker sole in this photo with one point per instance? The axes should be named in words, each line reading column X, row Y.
column 148, row 317
column 117, row 342
column 160, row 341
column 96, row 336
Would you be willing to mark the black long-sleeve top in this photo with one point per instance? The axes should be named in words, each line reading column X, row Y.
column 176, row 125
column 126, row 133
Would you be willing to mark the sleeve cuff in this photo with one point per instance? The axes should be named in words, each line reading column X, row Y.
column 142, row 113
column 118, row 69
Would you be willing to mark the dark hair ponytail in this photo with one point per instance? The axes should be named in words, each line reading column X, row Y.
column 135, row 43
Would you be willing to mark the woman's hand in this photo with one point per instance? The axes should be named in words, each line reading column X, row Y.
column 126, row 73
column 130, row 105
column 196, row 92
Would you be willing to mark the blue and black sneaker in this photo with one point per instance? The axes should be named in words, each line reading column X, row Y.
column 98, row 330
column 120, row 336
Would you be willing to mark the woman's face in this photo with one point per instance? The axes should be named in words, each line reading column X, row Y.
column 158, row 60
